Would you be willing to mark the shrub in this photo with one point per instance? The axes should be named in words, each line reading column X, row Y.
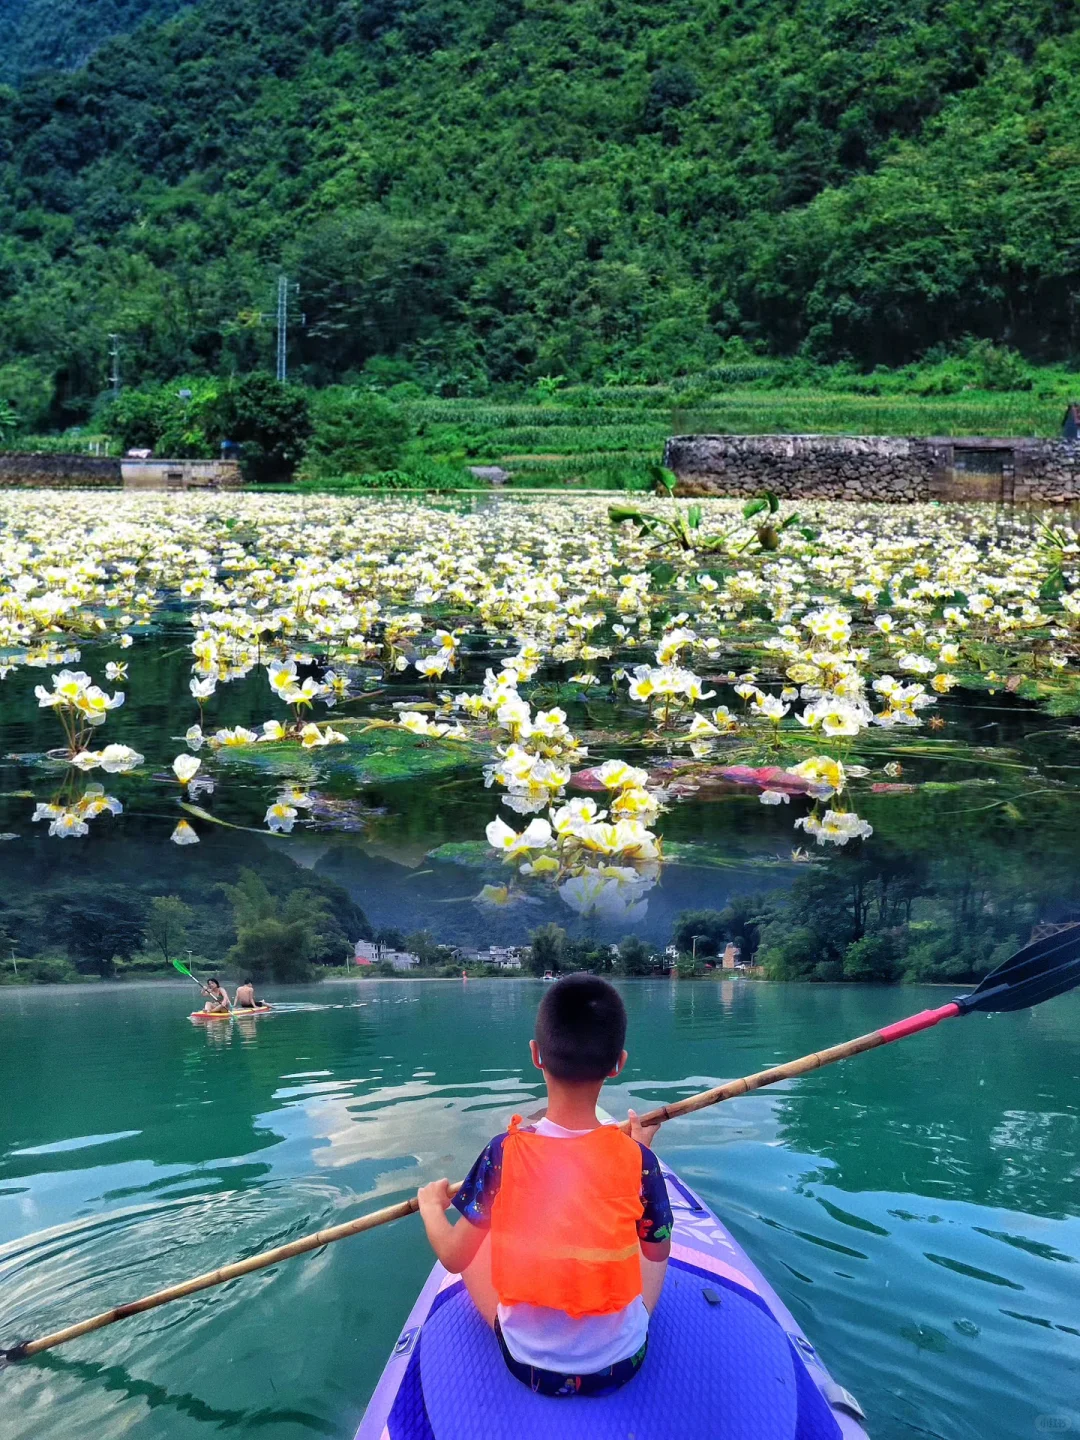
column 48, row 970
column 874, row 957
column 355, row 432
column 270, row 420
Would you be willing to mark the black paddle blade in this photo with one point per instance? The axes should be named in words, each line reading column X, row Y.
column 1038, row 972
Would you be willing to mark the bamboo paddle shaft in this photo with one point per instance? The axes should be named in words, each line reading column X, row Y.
column 218, row 1277
column 734, row 1088
column 409, row 1207
column 791, row 1068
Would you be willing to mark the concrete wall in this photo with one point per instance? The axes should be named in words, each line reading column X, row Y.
column 61, row 471
column 79, row 471
column 856, row 467
column 180, row 474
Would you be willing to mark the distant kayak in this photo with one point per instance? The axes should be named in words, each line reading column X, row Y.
column 230, row 1014
column 726, row 1361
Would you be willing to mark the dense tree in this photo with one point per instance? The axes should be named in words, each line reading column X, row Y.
column 500, row 191
column 547, row 948
column 168, row 926
column 636, row 956
column 270, row 421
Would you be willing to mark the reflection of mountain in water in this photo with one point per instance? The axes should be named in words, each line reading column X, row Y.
column 437, row 896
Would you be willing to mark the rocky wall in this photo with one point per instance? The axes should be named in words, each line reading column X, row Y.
column 876, row 467
column 59, row 471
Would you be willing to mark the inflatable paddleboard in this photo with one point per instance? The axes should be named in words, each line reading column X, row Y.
column 726, row 1361
column 230, row 1014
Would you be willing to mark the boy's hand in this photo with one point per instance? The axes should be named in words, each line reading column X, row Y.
column 643, row 1134
column 434, row 1198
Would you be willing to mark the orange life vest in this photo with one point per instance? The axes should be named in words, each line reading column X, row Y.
column 564, row 1222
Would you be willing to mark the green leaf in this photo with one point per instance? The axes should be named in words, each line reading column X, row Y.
column 693, row 516
column 754, row 507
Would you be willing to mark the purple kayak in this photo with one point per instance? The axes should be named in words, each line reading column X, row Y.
column 726, row 1361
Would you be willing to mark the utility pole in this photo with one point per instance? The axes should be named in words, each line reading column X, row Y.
column 282, row 327
column 284, row 285
column 114, row 356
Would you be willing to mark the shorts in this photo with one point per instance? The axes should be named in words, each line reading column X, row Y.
column 556, row 1384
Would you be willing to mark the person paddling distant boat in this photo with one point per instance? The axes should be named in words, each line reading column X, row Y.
column 217, row 999
column 568, row 1223
column 245, row 998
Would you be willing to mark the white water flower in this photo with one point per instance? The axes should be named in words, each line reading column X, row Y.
column 617, row 775
column 119, row 759
column 537, row 835
column 185, row 768
column 280, row 817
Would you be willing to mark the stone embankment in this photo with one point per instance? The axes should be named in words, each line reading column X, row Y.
column 866, row 467
column 45, row 469
column 79, row 472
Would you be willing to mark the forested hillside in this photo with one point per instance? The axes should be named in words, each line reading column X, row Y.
column 478, row 191
column 61, row 34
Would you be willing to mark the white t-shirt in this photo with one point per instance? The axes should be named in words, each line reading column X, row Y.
column 553, row 1340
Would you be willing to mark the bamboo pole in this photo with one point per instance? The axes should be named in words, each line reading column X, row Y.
column 788, row 1071
column 218, row 1277
column 792, row 1068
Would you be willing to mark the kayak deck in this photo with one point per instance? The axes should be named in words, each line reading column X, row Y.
column 726, row 1361
column 229, row 1014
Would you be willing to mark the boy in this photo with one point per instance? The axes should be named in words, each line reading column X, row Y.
column 245, row 997
column 568, row 1221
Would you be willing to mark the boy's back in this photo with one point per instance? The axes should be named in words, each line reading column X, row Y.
column 564, row 1215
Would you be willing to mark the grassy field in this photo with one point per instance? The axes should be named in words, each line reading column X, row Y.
column 606, row 438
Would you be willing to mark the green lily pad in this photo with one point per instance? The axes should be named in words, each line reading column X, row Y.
column 370, row 757
column 473, row 854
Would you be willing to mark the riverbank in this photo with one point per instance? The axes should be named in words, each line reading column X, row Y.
column 606, row 437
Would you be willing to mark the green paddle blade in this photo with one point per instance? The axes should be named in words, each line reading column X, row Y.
column 1038, row 972
column 179, row 964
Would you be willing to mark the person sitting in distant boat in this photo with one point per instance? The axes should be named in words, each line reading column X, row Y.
column 568, row 1223
column 217, row 999
column 245, row 998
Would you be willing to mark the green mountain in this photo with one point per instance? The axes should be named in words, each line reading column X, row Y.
column 501, row 189
column 61, row 34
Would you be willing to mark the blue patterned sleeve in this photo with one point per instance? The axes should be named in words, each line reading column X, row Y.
column 477, row 1194
column 657, row 1221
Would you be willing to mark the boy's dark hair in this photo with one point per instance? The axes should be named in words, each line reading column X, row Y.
column 213, row 980
column 580, row 1028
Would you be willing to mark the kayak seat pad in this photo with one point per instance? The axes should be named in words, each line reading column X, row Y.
column 714, row 1371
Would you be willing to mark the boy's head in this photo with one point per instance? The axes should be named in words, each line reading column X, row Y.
column 580, row 1029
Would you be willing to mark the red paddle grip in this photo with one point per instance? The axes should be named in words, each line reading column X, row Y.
column 914, row 1023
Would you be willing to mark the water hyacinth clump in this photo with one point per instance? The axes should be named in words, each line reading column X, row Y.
column 481, row 633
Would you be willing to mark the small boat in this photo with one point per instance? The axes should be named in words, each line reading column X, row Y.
column 230, row 1014
column 726, row 1361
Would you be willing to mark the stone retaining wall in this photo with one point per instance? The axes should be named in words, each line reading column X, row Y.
column 60, row 471
column 857, row 467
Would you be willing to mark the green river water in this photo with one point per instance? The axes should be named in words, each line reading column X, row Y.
column 917, row 1208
